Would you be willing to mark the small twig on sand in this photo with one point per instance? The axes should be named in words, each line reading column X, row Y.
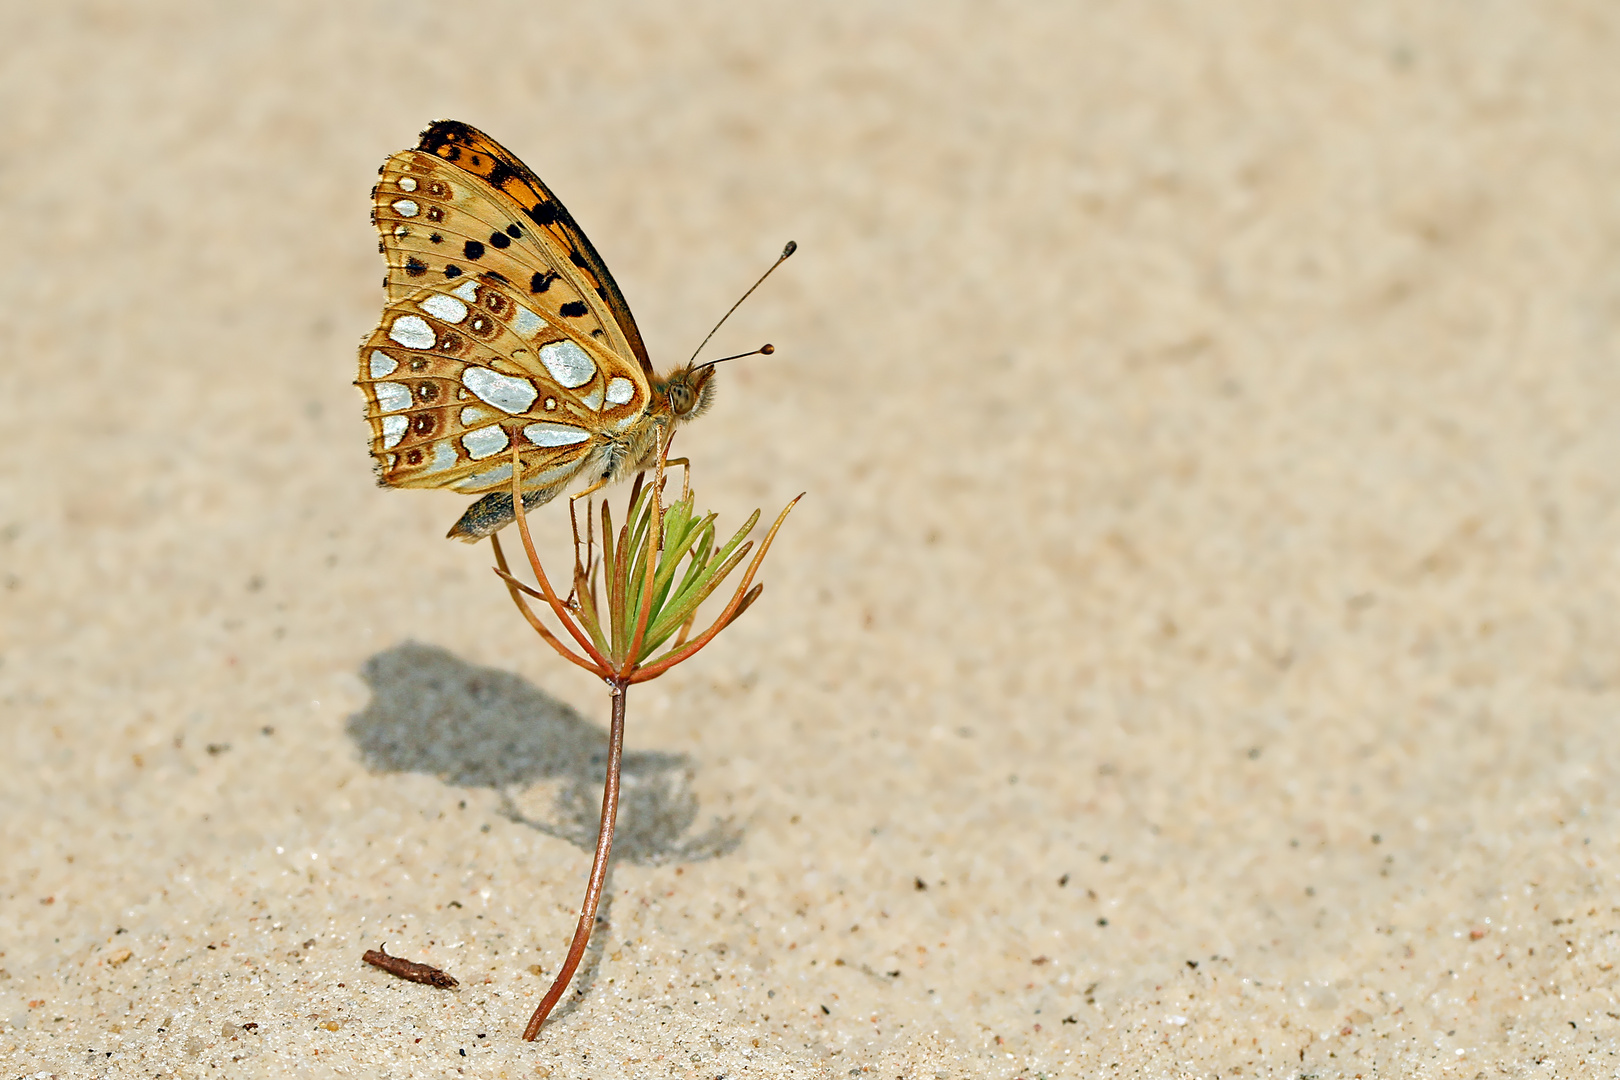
column 410, row 969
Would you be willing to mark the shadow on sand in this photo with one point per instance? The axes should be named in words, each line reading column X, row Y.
column 432, row 712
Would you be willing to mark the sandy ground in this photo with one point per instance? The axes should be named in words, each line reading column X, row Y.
column 1197, row 653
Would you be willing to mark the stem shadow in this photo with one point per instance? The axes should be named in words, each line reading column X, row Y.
column 432, row 712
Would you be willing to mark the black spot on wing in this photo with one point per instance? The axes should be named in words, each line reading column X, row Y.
column 499, row 173
column 514, row 232
column 499, row 240
column 473, row 250
column 494, row 275
column 442, row 132
column 452, row 271
column 574, row 309
column 539, row 283
column 415, row 267
column 435, row 239
column 453, row 140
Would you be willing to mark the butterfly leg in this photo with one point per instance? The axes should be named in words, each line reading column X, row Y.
column 584, row 565
column 592, row 490
column 574, row 521
column 686, row 473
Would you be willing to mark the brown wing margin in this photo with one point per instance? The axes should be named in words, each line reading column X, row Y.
column 472, row 150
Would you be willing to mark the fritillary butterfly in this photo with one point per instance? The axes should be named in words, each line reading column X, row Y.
column 503, row 329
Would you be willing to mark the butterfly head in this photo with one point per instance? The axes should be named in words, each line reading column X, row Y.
column 689, row 391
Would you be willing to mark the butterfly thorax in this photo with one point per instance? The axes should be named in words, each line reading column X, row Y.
column 682, row 395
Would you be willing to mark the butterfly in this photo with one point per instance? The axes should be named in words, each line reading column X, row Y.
column 503, row 329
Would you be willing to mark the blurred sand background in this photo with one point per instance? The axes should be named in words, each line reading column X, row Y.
column 1197, row 653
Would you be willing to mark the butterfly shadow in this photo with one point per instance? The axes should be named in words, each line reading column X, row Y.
column 475, row 727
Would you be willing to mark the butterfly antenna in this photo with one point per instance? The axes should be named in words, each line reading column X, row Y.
column 764, row 350
column 792, row 246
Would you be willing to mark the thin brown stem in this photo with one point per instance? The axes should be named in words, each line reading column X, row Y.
column 593, row 890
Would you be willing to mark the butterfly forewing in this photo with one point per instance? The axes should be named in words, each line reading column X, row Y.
column 498, row 331
column 570, row 250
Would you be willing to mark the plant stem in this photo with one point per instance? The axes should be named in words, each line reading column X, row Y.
column 604, row 845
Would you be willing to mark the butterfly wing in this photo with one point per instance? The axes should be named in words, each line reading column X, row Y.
column 476, row 154
column 502, row 326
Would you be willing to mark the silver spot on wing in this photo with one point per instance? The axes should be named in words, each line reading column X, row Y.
column 555, row 434
column 444, row 308
column 569, row 364
column 484, row 442
column 392, row 396
column 413, row 332
column 506, row 392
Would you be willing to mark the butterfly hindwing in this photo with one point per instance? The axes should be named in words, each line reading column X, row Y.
column 455, row 376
